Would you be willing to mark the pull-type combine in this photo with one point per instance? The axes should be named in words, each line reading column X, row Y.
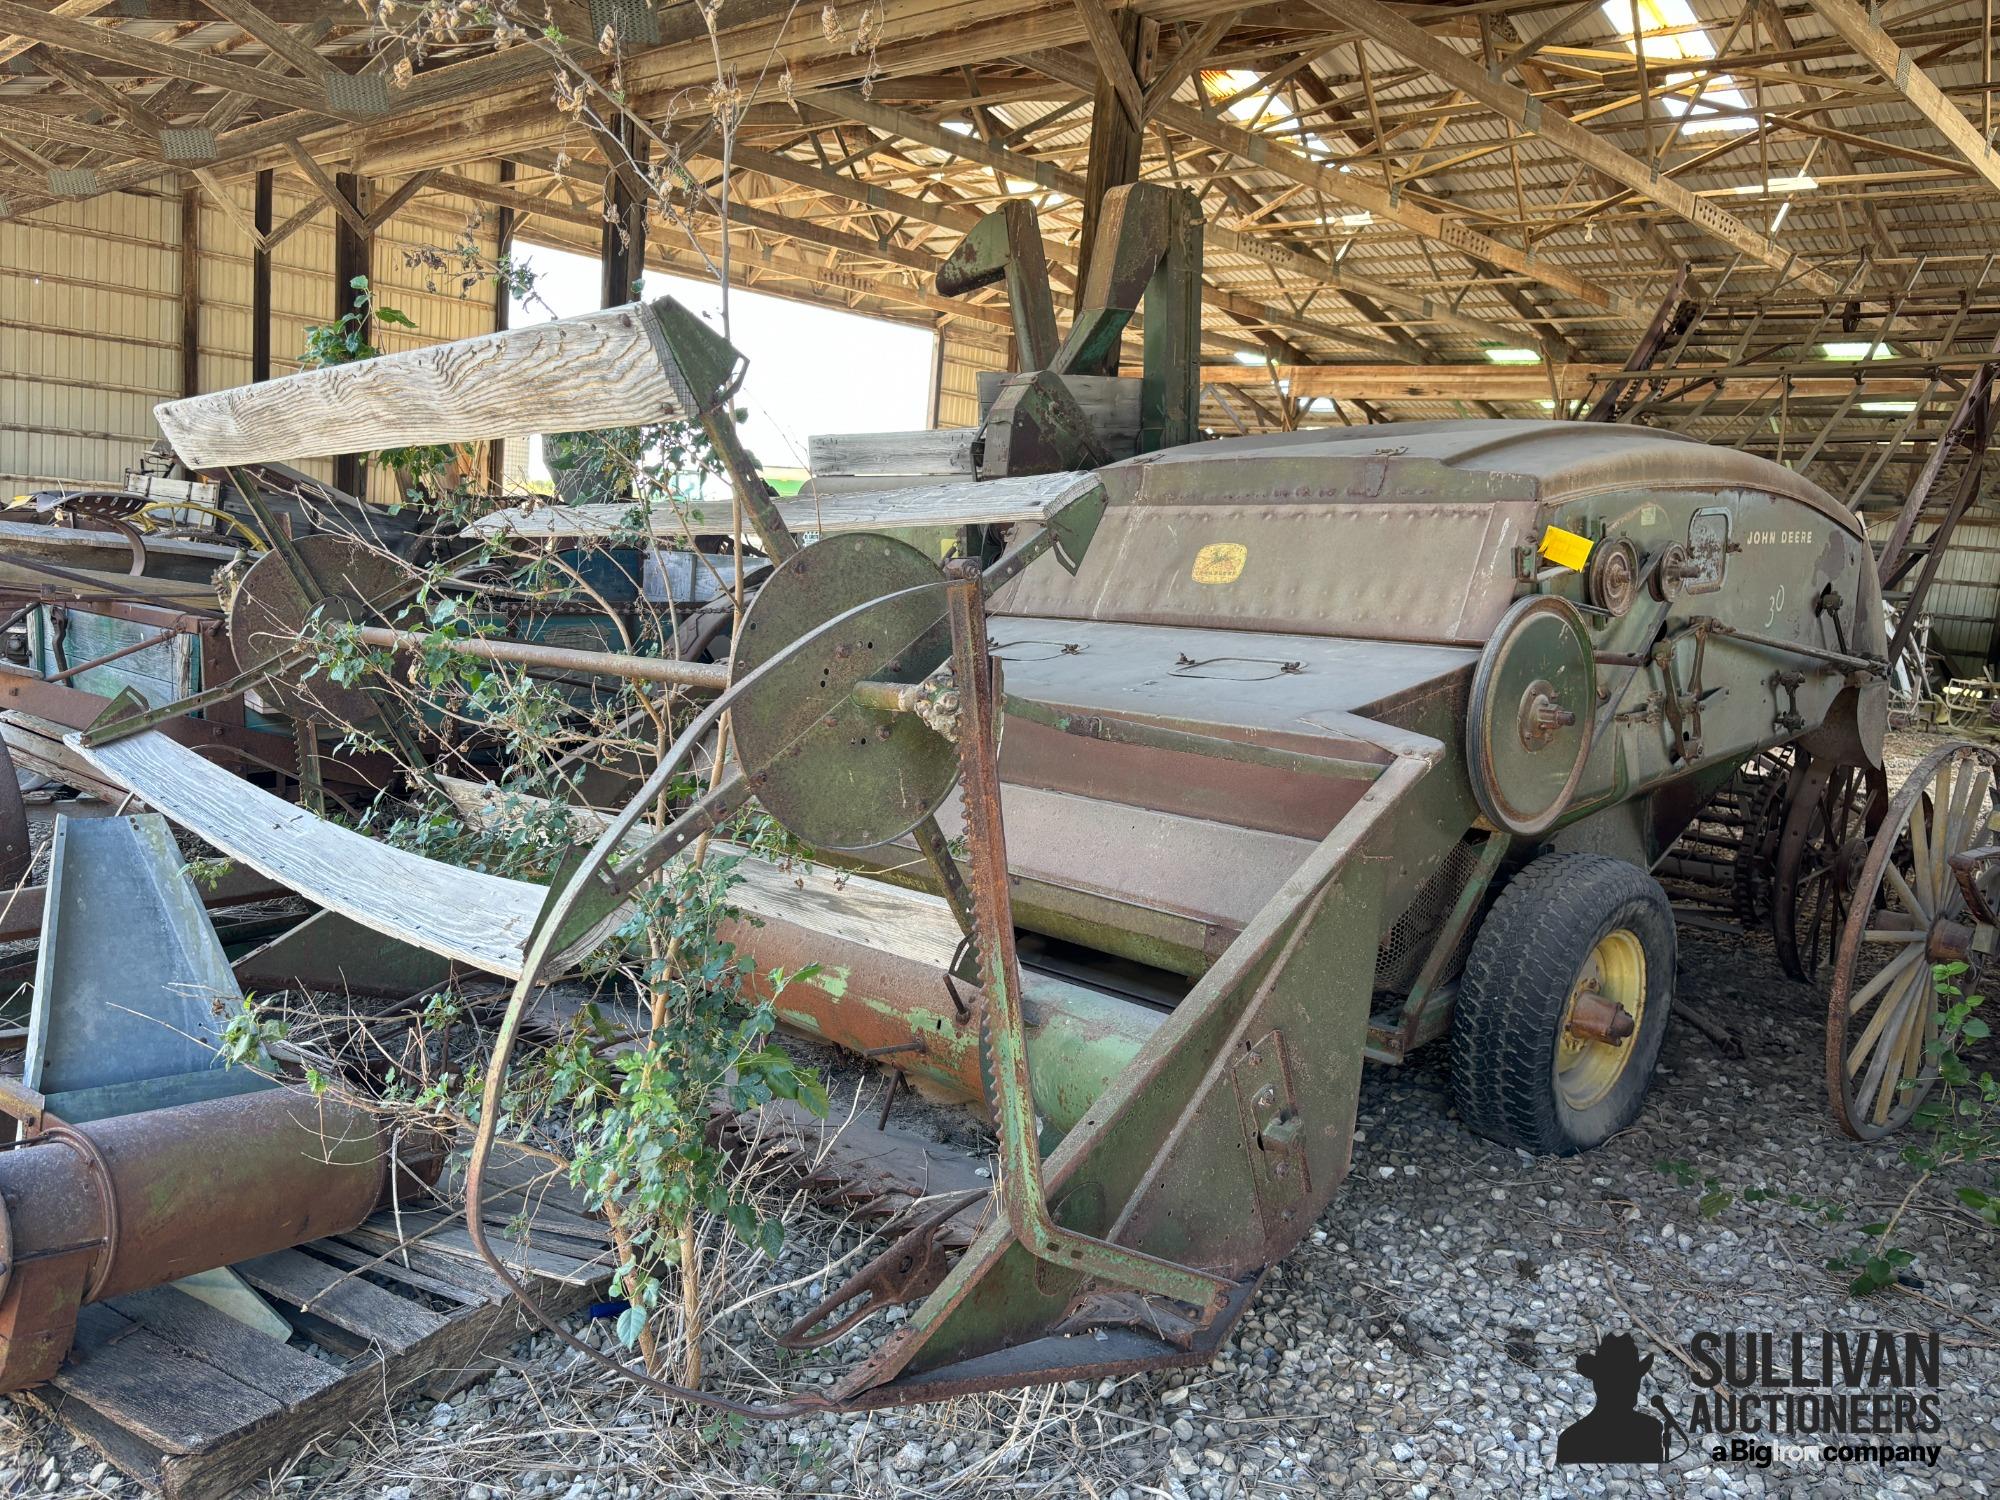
column 1316, row 747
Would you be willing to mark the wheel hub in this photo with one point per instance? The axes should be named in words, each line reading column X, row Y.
column 1594, row 1044
column 1949, row 942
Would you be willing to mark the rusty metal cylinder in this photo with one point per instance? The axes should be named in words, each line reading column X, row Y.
column 114, row 1206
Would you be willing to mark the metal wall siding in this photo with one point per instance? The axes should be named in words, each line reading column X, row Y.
column 90, row 313
column 958, row 384
column 90, row 329
column 1964, row 602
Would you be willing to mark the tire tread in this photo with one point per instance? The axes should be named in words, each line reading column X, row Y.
column 1517, row 978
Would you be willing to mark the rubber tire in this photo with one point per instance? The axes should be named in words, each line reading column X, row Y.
column 1518, row 976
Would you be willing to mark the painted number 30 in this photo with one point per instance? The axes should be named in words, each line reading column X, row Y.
column 1777, row 603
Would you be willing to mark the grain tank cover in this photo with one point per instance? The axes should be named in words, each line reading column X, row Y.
column 1415, row 531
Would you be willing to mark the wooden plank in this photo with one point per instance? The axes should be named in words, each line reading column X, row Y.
column 1260, row 151
column 297, row 1280
column 12, row 47
column 480, row 920
column 360, row 1258
column 752, row 254
column 76, row 133
column 231, row 209
column 837, row 904
column 22, row 580
column 598, row 370
column 473, row 1277
column 162, row 1415
column 532, row 1260
column 962, row 503
column 175, row 1403
column 1102, row 33
column 1490, row 382
column 309, row 211
column 937, row 451
column 395, row 202
column 330, row 191
column 37, row 745
column 947, row 216
column 216, row 1339
column 248, row 1454
column 275, row 36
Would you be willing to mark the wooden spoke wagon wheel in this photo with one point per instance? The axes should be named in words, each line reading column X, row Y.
column 1832, row 811
column 1910, row 909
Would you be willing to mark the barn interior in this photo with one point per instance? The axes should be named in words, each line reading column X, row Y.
column 346, row 638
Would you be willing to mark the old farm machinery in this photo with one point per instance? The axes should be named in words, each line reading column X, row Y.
column 1317, row 747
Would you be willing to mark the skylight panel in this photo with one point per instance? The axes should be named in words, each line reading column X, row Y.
column 1671, row 33
column 1258, row 108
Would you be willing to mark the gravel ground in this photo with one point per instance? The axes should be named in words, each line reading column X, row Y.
column 1421, row 1342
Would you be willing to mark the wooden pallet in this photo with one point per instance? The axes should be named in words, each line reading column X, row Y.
column 196, row 1405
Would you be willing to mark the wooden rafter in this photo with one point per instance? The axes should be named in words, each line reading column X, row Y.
column 1909, row 79
column 157, row 58
column 303, row 60
column 1525, row 110
column 323, row 183
column 1261, row 151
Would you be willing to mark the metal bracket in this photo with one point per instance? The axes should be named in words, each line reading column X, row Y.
column 1004, row 1027
column 20, row 1103
column 1788, row 719
column 1273, row 1128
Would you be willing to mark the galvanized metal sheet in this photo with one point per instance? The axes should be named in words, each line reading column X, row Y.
column 131, row 983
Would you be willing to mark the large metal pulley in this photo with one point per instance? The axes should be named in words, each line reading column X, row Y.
column 1529, row 722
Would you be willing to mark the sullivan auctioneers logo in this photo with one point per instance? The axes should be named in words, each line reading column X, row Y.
column 1851, row 1396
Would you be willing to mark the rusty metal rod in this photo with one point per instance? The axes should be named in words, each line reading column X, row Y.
column 110, row 656
column 890, row 697
column 713, row 676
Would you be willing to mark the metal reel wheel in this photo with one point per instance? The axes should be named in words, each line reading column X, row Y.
column 17, row 851
column 1832, row 811
column 1909, row 910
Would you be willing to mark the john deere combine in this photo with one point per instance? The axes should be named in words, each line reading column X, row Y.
column 1265, row 756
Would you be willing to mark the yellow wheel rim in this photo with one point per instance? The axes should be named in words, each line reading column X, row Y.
column 1586, row 1068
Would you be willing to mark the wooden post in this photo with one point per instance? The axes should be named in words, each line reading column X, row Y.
column 624, row 241
column 191, row 292
column 260, row 287
column 352, row 257
column 1115, row 141
column 503, row 306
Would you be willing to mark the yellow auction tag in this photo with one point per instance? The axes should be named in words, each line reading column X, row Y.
column 1565, row 548
column 1220, row 562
